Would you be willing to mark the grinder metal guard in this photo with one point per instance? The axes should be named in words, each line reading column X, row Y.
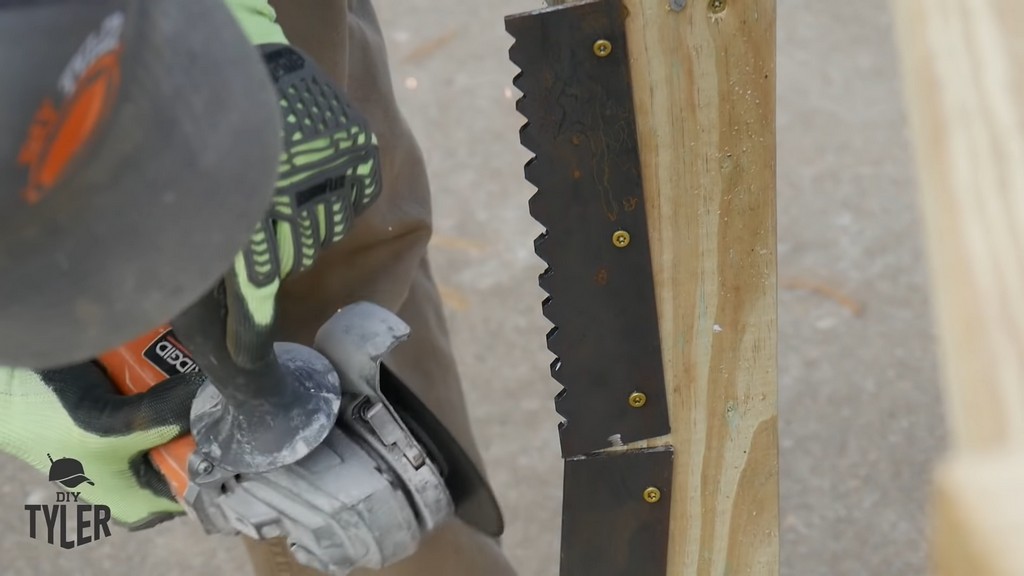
column 367, row 495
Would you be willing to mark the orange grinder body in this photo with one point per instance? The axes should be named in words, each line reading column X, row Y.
column 138, row 366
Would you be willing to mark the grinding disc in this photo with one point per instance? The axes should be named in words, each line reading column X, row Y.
column 138, row 149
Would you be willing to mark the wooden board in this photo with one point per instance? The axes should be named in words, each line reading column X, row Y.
column 704, row 91
column 963, row 67
column 964, row 76
column 978, row 515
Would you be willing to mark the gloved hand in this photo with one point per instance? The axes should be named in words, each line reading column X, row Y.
column 327, row 175
column 76, row 413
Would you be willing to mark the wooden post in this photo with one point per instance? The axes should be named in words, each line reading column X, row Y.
column 978, row 516
column 964, row 74
column 704, row 92
column 703, row 81
column 964, row 70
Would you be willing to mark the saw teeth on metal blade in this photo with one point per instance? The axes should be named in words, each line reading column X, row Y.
column 581, row 129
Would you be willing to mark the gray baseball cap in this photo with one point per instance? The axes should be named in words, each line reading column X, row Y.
column 139, row 142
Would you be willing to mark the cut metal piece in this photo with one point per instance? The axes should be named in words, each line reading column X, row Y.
column 615, row 514
column 581, row 127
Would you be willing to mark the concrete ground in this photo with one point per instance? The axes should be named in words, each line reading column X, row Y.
column 859, row 410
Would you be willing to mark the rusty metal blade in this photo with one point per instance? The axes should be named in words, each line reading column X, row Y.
column 615, row 514
column 581, row 127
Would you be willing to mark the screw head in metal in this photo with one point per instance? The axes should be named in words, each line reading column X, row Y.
column 652, row 495
column 204, row 467
column 602, row 48
column 620, row 238
column 637, row 399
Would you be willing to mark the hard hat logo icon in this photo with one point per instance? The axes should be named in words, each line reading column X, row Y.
column 68, row 472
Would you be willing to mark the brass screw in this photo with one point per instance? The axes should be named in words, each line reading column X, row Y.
column 717, row 6
column 637, row 399
column 620, row 238
column 602, row 48
column 652, row 495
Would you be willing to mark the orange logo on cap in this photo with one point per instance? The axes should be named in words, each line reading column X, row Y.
column 57, row 134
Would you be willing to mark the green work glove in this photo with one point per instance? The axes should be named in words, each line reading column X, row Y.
column 328, row 173
column 77, row 413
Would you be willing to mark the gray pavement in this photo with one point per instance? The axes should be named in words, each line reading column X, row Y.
column 859, row 409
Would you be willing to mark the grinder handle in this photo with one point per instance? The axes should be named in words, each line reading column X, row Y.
column 247, row 382
column 131, row 373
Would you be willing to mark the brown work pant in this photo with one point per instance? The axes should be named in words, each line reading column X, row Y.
column 383, row 260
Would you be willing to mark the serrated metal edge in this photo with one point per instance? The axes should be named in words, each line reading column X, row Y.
column 544, row 134
column 527, row 139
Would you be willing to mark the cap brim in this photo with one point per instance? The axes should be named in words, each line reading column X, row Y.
column 76, row 481
column 127, row 181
